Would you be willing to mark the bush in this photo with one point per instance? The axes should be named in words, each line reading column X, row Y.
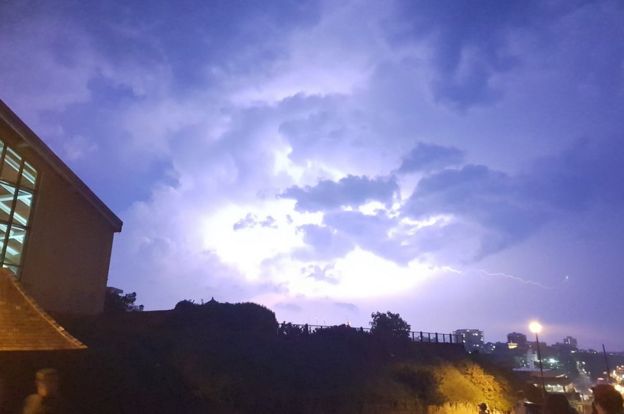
column 389, row 325
column 421, row 382
column 185, row 305
column 116, row 302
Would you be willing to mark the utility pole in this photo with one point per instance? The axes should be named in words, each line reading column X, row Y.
column 604, row 352
column 539, row 357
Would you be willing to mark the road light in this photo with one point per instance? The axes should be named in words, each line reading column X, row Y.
column 536, row 328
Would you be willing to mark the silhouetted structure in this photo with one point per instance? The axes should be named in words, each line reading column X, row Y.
column 415, row 336
column 472, row 339
column 516, row 340
column 24, row 326
column 55, row 234
column 571, row 342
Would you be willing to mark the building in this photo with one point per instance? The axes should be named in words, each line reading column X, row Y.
column 472, row 339
column 554, row 381
column 25, row 326
column 571, row 342
column 489, row 347
column 56, row 235
column 516, row 340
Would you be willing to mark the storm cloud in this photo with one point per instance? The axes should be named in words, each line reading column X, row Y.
column 347, row 192
column 305, row 155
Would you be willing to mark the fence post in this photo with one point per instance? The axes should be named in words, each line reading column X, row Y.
column 412, row 336
column 436, row 334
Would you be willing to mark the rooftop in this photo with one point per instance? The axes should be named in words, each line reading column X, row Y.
column 38, row 146
column 24, row 326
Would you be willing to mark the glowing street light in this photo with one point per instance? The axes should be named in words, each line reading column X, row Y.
column 536, row 328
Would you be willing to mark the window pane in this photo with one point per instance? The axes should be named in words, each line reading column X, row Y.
column 15, row 204
column 11, row 166
column 7, row 192
column 29, row 176
column 22, row 208
column 13, row 255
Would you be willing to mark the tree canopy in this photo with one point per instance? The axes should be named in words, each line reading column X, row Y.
column 115, row 301
column 389, row 325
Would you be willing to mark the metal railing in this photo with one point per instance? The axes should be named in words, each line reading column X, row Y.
column 416, row 336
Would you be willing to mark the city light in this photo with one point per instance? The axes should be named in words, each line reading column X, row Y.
column 535, row 327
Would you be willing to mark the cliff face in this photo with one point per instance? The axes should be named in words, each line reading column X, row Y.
column 212, row 361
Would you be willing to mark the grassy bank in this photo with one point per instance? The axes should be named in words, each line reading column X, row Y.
column 224, row 358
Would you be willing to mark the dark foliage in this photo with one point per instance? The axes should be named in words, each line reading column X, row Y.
column 289, row 330
column 389, row 325
column 340, row 331
column 226, row 317
column 116, row 302
column 185, row 305
column 421, row 382
column 229, row 358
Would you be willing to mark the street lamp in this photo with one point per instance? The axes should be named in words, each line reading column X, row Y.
column 536, row 328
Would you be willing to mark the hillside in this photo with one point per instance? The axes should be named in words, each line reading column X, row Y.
column 228, row 358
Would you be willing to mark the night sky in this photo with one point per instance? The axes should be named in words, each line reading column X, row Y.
column 461, row 163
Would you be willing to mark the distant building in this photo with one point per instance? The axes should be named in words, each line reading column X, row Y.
column 516, row 340
column 489, row 347
column 554, row 381
column 571, row 342
column 472, row 339
column 56, row 235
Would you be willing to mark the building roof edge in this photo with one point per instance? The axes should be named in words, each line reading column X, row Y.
column 41, row 148
column 29, row 327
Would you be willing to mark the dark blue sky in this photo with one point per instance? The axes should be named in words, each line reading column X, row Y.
column 458, row 162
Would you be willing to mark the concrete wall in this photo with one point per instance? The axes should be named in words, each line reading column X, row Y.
column 67, row 253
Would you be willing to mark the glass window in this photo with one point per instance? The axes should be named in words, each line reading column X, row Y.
column 7, row 194
column 11, row 166
column 18, row 180
column 29, row 176
column 22, row 207
column 15, row 245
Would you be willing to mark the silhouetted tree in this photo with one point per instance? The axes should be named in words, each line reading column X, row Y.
column 289, row 330
column 116, row 302
column 389, row 325
column 185, row 305
column 337, row 331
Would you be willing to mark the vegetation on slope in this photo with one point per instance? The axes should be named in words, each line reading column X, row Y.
column 229, row 358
